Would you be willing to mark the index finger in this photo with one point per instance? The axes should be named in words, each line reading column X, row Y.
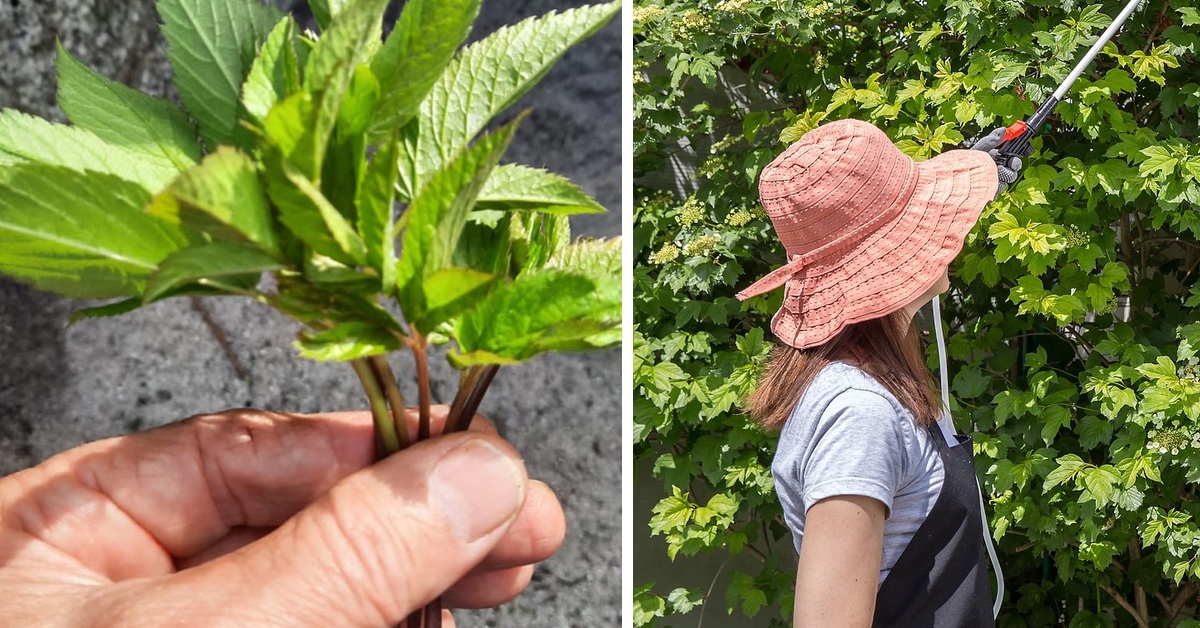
column 189, row 483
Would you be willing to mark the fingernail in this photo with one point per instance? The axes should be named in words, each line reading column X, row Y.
column 478, row 488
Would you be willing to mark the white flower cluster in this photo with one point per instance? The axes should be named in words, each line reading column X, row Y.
column 692, row 21
column 732, row 6
column 692, row 213
column 668, row 253
column 701, row 245
column 649, row 13
column 739, row 218
column 1171, row 440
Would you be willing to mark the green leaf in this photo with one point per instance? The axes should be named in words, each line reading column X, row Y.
column 1093, row 18
column 208, row 265
column 330, row 74
column 27, row 139
column 275, row 73
column 683, row 600
column 1158, row 159
column 549, row 310
column 671, row 513
column 486, row 248
column 348, row 341
column 1007, row 71
column 305, row 211
column 1054, row 418
column 415, row 55
column 325, row 10
column 83, row 236
column 1119, row 81
column 928, row 36
column 104, row 311
column 437, row 216
column 291, row 127
column 743, row 588
column 123, row 116
column 673, row 470
column 514, row 186
column 1100, row 483
column 489, row 76
column 210, row 45
column 1189, row 341
column 342, row 46
column 222, row 197
column 1162, row 369
column 1152, row 530
column 971, row 382
column 341, row 174
column 1093, row 431
column 647, row 606
column 359, row 104
column 450, row 291
column 1101, row 555
column 536, row 238
column 376, row 220
column 598, row 259
column 911, row 89
column 309, row 303
column 1069, row 466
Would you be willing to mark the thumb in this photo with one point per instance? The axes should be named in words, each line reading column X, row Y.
column 991, row 140
column 380, row 544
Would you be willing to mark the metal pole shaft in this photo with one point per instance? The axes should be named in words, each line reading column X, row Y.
column 1095, row 49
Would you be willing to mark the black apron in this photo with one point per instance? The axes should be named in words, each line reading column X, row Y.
column 940, row 580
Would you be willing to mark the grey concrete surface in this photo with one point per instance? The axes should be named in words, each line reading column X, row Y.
column 60, row 386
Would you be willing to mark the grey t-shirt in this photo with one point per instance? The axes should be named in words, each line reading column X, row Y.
column 849, row 436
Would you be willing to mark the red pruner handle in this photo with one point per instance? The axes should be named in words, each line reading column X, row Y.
column 1016, row 140
column 1015, row 130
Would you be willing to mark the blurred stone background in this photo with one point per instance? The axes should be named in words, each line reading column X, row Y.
column 60, row 386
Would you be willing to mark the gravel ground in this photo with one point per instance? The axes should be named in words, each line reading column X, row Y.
column 60, row 386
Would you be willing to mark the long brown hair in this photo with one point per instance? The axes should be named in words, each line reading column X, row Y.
column 887, row 348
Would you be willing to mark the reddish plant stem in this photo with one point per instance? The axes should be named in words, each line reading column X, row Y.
column 433, row 613
column 476, row 396
column 466, row 383
column 422, row 361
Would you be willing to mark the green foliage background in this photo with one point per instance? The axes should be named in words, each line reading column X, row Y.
column 1072, row 317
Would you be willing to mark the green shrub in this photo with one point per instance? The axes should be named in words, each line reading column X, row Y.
column 1074, row 342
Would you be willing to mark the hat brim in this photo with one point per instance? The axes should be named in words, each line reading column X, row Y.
column 895, row 264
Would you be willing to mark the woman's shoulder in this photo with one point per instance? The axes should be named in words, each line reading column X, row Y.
column 845, row 383
column 845, row 409
column 842, row 393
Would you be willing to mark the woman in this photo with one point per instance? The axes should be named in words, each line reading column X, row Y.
column 880, row 494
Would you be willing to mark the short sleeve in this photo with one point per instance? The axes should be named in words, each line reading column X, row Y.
column 859, row 448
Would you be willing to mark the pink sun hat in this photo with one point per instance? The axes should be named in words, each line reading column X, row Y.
column 867, row 230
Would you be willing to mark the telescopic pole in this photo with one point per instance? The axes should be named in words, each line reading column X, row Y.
column 1017, row 137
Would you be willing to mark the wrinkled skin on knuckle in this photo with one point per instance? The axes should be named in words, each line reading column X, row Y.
column 263, row 456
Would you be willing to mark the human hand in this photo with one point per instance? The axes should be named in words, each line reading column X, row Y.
column 252, row 518
column 1006, row 167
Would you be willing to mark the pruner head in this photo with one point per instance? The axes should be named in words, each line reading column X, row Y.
column 1016, row 140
